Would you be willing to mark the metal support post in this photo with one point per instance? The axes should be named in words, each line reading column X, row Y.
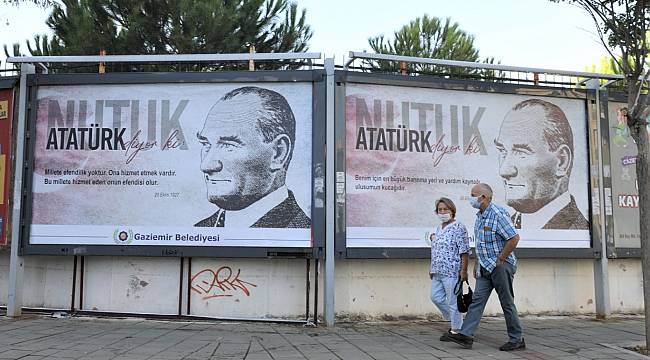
column 16, row 263
column 601, row 264
column 330, row 197
column 251, row 62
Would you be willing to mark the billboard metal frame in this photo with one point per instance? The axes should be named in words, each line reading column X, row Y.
column 316, row 77
column 8, row 82
column 345, row 77
column 606, row 177
column 353, row 55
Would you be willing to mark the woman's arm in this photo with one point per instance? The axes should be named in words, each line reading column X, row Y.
column 464, row 259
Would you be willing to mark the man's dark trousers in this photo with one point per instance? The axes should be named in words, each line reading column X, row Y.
column 500, row 279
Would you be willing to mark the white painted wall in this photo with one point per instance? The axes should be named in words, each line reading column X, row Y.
column 626, row 286
column 267, row 288
column 264, row 288
column 394, row 288
column 131, row 284
column 47, row 281
column 275, row 288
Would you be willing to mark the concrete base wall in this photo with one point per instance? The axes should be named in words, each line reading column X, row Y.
column 401, row 288
column 626, row 286
column 266, row 288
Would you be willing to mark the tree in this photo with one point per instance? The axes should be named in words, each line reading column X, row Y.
column 610, row 65
column 84, row 27
column 428, row 37
column 39, row 3
column 622, row 26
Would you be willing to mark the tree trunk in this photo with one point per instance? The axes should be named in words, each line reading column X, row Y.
column 640, row 135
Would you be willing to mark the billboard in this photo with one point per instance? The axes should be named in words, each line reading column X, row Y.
column 173, row 164
column 408, row 146
column 625, row 191
column 6, row 119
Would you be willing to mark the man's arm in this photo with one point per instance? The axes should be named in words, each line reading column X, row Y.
column 509, row 246
column 506, row 230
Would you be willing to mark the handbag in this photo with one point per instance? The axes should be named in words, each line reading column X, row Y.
column 463, row 300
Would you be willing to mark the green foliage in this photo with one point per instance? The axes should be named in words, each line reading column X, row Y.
column 84, row 27
column 39, row 3
column 614, row 65
column 427, row 37
column 622, row 26
column 608, row 65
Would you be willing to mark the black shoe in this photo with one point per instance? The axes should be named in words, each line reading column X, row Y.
column 512, row 346
column 462, row 340
column 445, row 336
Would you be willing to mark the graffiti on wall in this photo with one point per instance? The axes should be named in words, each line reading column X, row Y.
column 224, row 282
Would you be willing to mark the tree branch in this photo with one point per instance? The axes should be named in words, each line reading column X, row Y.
column 638, row 93
column 593, row 11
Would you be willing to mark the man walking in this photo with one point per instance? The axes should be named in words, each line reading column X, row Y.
column 496, row 238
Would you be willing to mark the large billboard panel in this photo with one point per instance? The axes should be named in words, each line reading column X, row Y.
column 408, row 146
column 6, row 119
column 625, row 191
column 180, row 164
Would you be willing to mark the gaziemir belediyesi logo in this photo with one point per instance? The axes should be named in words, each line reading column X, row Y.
column 123, row 237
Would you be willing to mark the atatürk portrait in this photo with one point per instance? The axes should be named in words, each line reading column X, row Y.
column 536, row 155
column 247, row 143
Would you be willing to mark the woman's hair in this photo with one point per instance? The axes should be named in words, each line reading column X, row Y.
column 450, row 204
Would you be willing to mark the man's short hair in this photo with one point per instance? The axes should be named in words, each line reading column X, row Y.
column 558, row 131
column 487, row 189
column 278, row 118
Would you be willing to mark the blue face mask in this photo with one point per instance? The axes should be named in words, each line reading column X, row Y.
column 475, row 202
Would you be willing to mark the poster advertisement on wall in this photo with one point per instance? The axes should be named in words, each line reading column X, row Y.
column 6, row 119
column 407, row 147
column 173, row 165
column 625, row 191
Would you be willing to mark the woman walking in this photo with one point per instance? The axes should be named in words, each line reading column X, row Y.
column 449, row 257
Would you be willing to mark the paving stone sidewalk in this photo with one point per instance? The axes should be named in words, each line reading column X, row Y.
column 44, row 337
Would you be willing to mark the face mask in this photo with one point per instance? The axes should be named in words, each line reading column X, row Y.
column 444, row 217
column 475, row 202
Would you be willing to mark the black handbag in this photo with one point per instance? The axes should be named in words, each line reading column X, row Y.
column 463, row 300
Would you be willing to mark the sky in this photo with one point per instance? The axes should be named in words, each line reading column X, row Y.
column 530, row 33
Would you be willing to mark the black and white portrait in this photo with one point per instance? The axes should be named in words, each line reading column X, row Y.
column 247, row 140
column 536, row 157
